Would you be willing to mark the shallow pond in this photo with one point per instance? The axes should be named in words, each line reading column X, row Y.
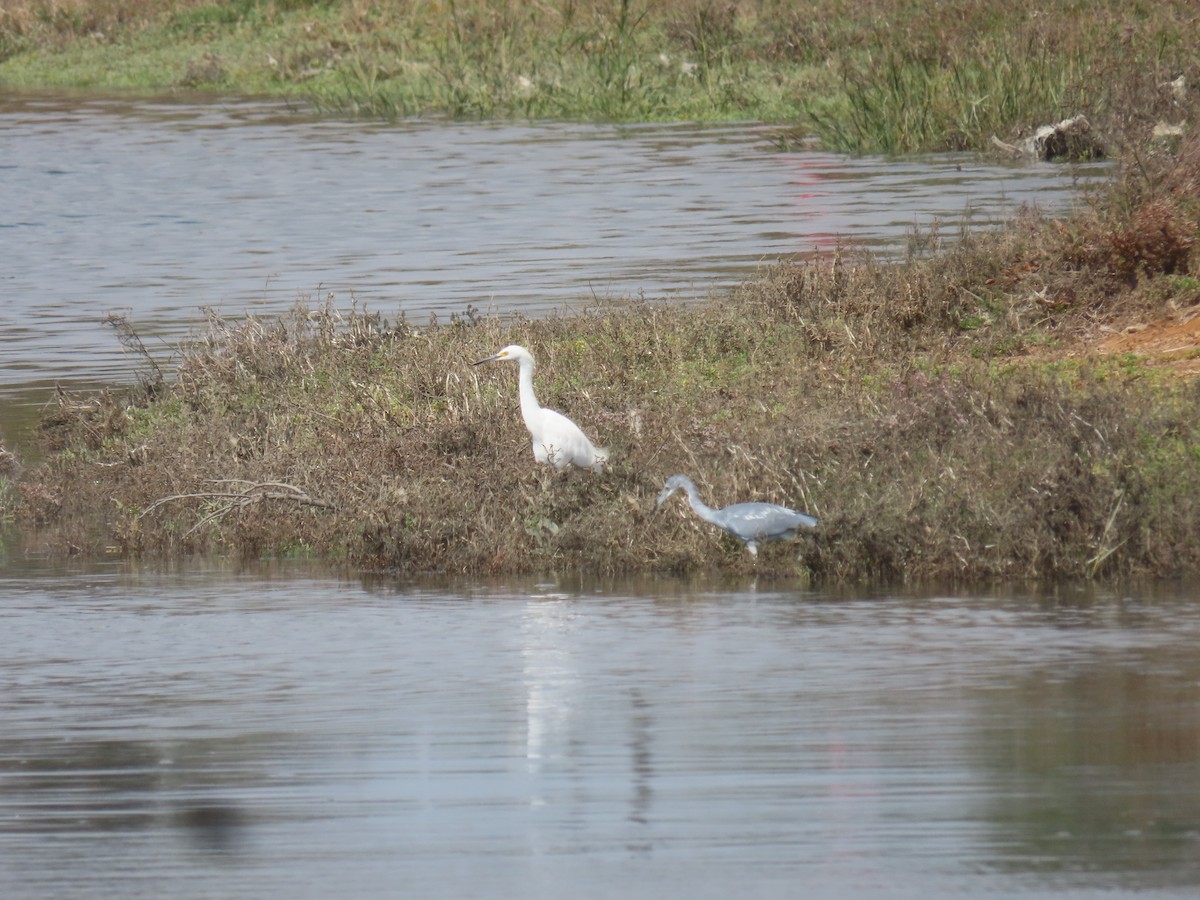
column 207, row 733
column 156, row 210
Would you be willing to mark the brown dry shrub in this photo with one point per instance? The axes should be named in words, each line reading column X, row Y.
column 10, row 463
column 1145, row 225
column 1157, row 238
column 90, row 421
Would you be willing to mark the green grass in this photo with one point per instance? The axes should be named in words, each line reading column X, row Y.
column 890, row 76
column 907, row 99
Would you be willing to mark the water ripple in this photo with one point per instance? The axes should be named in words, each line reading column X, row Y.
column 160, row 209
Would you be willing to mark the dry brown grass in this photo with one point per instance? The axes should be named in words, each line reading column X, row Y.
column 49, row 20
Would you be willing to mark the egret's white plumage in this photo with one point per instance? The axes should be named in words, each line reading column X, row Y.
column 556, row 439
column 750, row 523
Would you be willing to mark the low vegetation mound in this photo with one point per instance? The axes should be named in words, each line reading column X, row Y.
column 962, row 415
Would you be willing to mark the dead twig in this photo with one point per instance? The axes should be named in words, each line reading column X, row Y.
column 131, row 342
column 248, row 493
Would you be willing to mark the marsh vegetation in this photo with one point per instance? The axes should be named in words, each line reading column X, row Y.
column 943, row 417
column 949, row 417
column 877, row 76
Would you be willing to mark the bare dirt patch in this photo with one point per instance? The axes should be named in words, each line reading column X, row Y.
column 1172, row 342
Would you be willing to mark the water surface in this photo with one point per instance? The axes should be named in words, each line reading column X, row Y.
column 159, row 209
column 206, row 733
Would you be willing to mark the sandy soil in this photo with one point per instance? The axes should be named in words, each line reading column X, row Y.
column 1173, row 341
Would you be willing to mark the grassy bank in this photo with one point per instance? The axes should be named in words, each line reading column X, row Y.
column 946, row 418
column 882, row 75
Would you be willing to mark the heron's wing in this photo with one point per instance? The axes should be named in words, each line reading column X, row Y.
column 563, row 440
column 764, row 520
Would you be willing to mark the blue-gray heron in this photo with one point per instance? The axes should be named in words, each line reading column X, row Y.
column 556, row 439
column 750, row 523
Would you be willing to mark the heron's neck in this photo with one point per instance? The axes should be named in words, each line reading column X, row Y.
column 702, row 509
column 529, row 404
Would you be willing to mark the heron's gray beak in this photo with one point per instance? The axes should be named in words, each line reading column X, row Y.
column 662, row 498
column 491, row 358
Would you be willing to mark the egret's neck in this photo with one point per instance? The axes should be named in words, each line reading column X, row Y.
column 529, row 404
column 702, row 509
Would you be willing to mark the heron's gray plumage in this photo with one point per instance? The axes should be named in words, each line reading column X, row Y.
column 751, row 523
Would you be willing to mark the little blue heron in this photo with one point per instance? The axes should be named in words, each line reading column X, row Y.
column 556, row 439
column 748, row 522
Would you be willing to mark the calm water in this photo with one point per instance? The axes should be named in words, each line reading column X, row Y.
column 211, row 734
column 160, row 209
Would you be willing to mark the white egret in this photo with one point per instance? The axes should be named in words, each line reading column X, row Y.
column 750, row 523
column 556, row 439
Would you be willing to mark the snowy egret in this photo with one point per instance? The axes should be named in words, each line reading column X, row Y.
column 556, row 439
column 748, row 522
